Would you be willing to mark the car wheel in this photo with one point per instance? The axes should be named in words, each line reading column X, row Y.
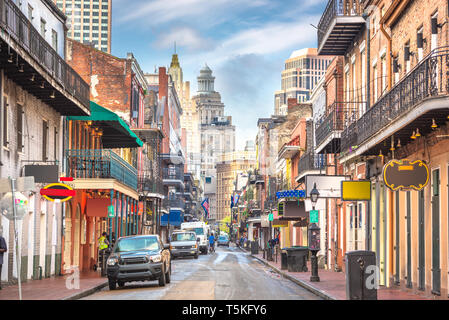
column 168, row 275
column 120, row 284
column 112, row 284
column 162, row 279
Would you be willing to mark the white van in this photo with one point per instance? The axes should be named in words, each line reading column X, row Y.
column 202, row 232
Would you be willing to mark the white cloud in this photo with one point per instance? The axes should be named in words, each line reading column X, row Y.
column 162, row 11
column 184, row 37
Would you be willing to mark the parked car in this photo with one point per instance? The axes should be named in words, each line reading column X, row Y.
column 139, row 258
column 223, row 240
column 184, row 243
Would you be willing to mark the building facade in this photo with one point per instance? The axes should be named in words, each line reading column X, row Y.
column 89, row 21
column 303, row 70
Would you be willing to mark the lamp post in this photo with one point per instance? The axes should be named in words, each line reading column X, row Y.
column 314, row 238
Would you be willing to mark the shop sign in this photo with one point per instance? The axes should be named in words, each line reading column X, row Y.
column 406, row 175
column 356, row 190
column 58, row 192
column 111, row 213
column 314, row 216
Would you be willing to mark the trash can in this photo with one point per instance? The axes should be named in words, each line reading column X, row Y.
column 254, row 247
column 361, row 275
column 284, row 265
column 297, row 259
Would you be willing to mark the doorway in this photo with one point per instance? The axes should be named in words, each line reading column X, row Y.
column 68, row 238
column 436, row 271
column 76, row 238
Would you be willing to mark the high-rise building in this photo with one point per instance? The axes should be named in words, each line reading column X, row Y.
column 303, row 70
column 89, row 21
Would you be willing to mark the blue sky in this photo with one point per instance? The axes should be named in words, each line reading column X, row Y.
column 245, row 43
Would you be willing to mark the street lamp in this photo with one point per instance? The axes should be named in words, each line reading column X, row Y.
column 314, row 238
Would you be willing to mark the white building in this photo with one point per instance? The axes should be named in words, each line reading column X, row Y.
column 35, row 94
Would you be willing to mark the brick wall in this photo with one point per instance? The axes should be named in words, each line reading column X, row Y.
column 110, row 77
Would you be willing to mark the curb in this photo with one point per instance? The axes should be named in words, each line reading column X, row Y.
column 87, row 292
column 301, row 283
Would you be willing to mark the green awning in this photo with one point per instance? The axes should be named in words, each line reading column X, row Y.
column 116, row 133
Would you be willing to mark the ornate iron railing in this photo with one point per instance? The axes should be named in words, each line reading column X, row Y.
column 429, row 79
column 100, row 164
column 334, row 9
column 175, row 173
column 337, row 117
column 150, row 184
column 311, row 162
column 16, row 24
column 174, row 202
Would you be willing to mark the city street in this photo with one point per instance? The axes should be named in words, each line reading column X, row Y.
column 229, row 274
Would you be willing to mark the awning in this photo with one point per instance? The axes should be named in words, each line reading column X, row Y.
column 116, row 133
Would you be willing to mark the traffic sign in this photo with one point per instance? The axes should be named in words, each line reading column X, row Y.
column 314, row 216
column 270, row 217
column 58, row 192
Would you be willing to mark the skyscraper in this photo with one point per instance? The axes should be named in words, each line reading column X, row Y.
column 89, row 21
column 303, row 70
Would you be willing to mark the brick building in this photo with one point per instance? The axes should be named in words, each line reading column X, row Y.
column 394, row 86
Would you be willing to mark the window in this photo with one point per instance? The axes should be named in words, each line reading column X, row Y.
column 30, row 13
column 19, row 124
column 44, row 140
column 54, row 39
column 376, row 94
column 43, row 27
column 5, row 122
column 56, row 144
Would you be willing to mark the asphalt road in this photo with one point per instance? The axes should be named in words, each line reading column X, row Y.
column 227, row 274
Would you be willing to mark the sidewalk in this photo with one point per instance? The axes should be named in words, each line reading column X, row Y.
column 333, row 284
column 55, row 288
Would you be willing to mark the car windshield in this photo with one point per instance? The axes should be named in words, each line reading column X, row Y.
column 184, row 237
column 137, row 244
column 198, row 231
column 223, row 238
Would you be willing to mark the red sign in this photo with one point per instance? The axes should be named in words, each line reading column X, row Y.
column 58, row 192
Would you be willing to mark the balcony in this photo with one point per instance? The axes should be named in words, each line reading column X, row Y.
column 173, row 176
column 414, row 103
column 174, row 202
column 100, row 164
column 150, row 185
column 310, row 163
column 29, row 60
column 289, row 150
column 341, row 21
column 329, row 129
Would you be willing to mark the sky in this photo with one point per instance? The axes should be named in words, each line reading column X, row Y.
column 244, row 42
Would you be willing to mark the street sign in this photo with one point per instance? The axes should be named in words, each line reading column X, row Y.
column 270, row 217
column 406, row 175
column 111, row 213
column 314, row 216
column 356, row 190
column 58, row 192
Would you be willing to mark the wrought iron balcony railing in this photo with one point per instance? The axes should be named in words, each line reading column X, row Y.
column 337, row 117
column 175, row 173
column 429, row 79
column 23, row 32
column 174, row 202
column 150, row 184
column 311, row 162
column 100, row 164
column 336, row 9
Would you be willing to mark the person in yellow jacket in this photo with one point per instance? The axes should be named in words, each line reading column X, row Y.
column 103, row 242
column 103, row 245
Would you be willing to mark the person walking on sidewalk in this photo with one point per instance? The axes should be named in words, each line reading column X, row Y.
column 3, row 249
column 103, row 245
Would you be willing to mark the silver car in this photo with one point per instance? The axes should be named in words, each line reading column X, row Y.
column 184, row 244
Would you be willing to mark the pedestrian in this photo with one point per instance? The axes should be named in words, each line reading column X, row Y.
column 3, row 249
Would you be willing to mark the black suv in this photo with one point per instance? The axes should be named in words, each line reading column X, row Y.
column 139, row 258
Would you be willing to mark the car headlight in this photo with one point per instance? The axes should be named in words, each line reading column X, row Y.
column 155, row 259
column 112, row 261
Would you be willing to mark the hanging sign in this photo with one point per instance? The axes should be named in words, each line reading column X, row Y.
column 58, row 192
column 111, row 212
column 406, row 175
column 314, row 216
column 356, row 190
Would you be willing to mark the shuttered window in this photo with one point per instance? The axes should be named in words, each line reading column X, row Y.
column 19, row 125
column 44, row 140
